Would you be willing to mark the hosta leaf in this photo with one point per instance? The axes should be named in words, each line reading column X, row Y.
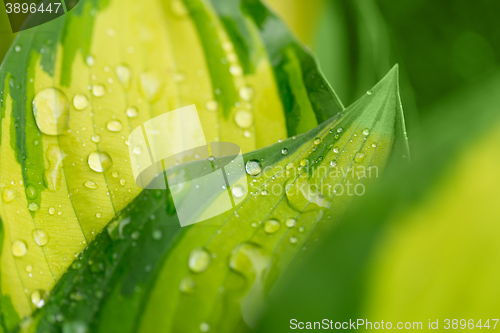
column 72, row 90
column 145, row 273
column 422, row 244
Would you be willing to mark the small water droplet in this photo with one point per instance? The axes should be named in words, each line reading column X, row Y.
column 238, row 191
column 96, row 138
column 52, row 210
column 18, row 48
column 8, row 195
column 333, row 163
column 40, row 236
column 157, row 234
column 51, row 111
column 293, row 240
column 187, row 285
column 199, row 260
column 264, row 192
column 204, row 327
column 369, row 92
column 304, row 162
column 19, row 248
column 132, row 112
column 336, row 150
column 91, row 185
column 29, row 268
column 243, row 118
column 37, row 298
column 90, row 60
column 290, row 223
column 366, row 131
column 33, row 206
column 339, row 130
column 123, row 182
column 114, row 126
column 98, row 215
column 137, row 150
column 317, row 141
column 150, row 85
column 211, row 105
column 80, row 102
column 123, row 74
column 100, row 161
column 31, row 192
column 98, row 90
column 236, row 70
column 284, row 151
column 246, row 93
column 253, row 167
column 359, row 157
column 271, row 226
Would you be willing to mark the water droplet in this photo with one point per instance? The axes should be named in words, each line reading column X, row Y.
column 199, row 260
column 359, row 157
column 115, row 174
column 132, row 112
column 236, row 70
column 8, row 195
column 150, row 85
column 317, row 141
column 336, row 150
column 123, row 182
column 96, row 138
column 98, row 215
column 157, row 234
column 290, row 223
column 204, row 327
column 80, row 102
column 304, row 162
column 29, row 268
column 369, row 92
column 90, row 60
column 211, row 105
column 18, row 48
column 284, row 151
column 114, row 126
column 40, row 236
column 339, row 130
column 137, row 150
column 333, row 163
column 366, row 131
column 98, row 90
column 253, row 167
column 31, row 192
column 301, row 229
column 123, row 74
column 374, row 145
column 293, row 240
column 91, row 185
column 100, row 161
column 272, row 226
column 246, row 93
column 51, row 111
column 187, row 285
column 52, row 210
column 238, row 191
column 33, row 206
column 37, row 298
column 264, row 192
column 19, row 248
column 243, row 118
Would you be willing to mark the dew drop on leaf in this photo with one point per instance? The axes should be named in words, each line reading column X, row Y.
column 8, row 195
column 91, row 185
column 359, row 157
column 100, row 161
column 157, row 234
column 19, row 248
column 244, row 119
column 31, row 192
column 80, row 102
column 284, row 151
column 236, row 70
column 199, row 260
column 90, row 60
column 132, row 112
column 96, row 138
column 40, row 236
column 150, row 85
column 98, row 90
column 51, row 111
column 246, row 93
column 271, row 226
column 187, row 285
column 253, row 167
column 290, row 223
column 211, row 105
column 238, row 191
column 137, row 150
column 114, row 126
column 204, row 327
column 37, row 298
column 123, row 75
column 366, row 131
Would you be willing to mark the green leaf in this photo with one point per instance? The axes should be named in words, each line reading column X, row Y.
column 108, row 66
column 422, row 245
column 145, row 273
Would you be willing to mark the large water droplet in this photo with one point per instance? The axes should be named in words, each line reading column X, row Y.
column 123, row 75
column 243, row 118
column 40, row 236
column 19, row 248
column 271, row 226
column 51, row 111
column 100, row 161
column 80, row 102
column 199, row 260
column 150, row 85
column 253, row 167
